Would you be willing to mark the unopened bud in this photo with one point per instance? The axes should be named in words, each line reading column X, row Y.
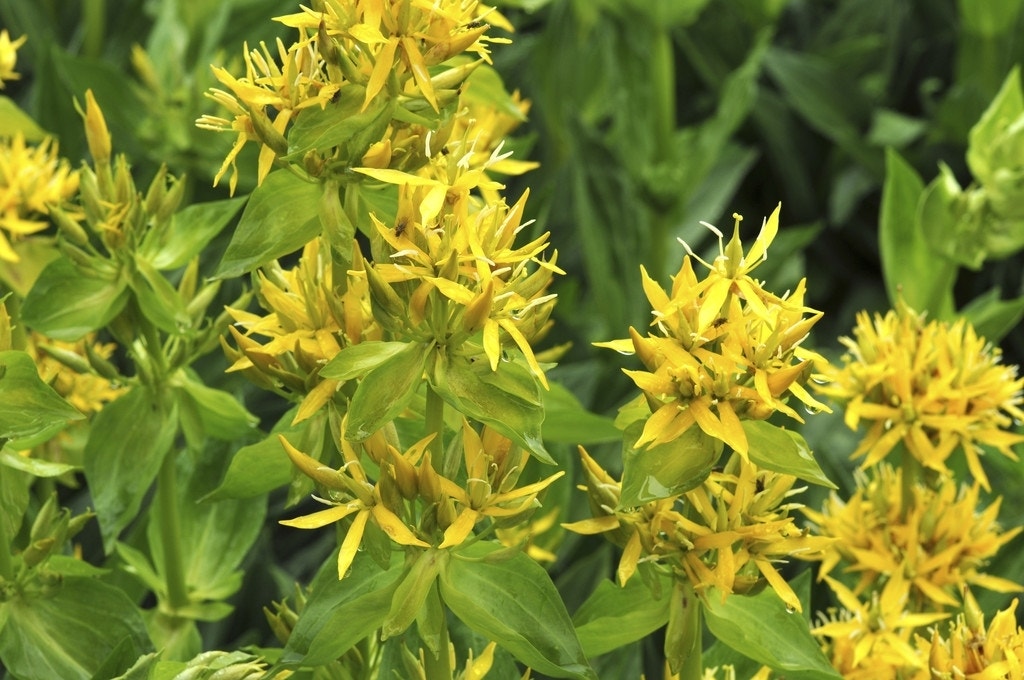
column 157, row 190
column 96, row 132
column 69, row 227
column 452, row 78
column 314, row 469
column 384, row 296
column 267, row 133
column 37, row 552
column 479, row 308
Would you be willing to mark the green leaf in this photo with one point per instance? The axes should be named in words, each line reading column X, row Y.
column 14, row 494
column 66, row 303
column 912, row 270
column 386, row 390
column 566, row 421
column 71, row 633
column 28, row 406
column 35, row 466
column 127, row 443
column 280, row 218
column 357, row 360
column 669, row 469
column 514, row 602
column 613, row 617
column 190, row 230
column 13, row 120
column 415, row 586
column 158, row 300
column 340, row 613
column 760, row 627
column 338, row 124
column 507, row 400
column 220, row 413
column 993, row 318
column 264, row 466
column 780, row 450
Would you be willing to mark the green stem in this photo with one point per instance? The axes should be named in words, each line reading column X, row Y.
column 692, row 668
column 435, row 424
column 6, row 564
column 94, row 19
column 439, row 667
column 170, row 534
column 663, row 78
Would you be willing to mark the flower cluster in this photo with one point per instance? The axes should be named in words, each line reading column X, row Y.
column 932, row 387
column 728, row 533
column 33, row 179
column 723, row 349
column 940, row 543
column 973, row 651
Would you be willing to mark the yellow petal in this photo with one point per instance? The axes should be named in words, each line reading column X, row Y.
column 394, row 527
column 350, row 545
column 629, row 559
column 458, row 530
column 321, row 518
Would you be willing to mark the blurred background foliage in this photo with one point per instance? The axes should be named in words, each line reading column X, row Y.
column 648, row 116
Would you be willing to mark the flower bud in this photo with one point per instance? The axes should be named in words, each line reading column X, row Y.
column 96, row 132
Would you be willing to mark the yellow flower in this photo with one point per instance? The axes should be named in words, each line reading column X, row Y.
column 32, row 180
column 972, row 651
column 64, row 366
column 492, row 467
column 9, row 56
column 352, row 494
column 940, row 544
column 728, row 533
column 933, row 387
column 872, row 639
column 307, row 324
column 724, row 348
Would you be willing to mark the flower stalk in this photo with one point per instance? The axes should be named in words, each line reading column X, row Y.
column 168, row 514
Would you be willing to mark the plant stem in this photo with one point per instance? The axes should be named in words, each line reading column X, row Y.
column 6, row 565
column 692, row 668
column 435, row 424
column 439, row 667
column 94, row 18
column 170, row 533
column 663, row 77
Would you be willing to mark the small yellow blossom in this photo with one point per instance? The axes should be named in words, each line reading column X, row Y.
column 933, row 387
column 32, row 180
column 9, row 56
column 976, row 652
column 940, row 544
column 729, row 532
column 872, row 639
column 724, row 348
column 307, row 324
column 84, row 389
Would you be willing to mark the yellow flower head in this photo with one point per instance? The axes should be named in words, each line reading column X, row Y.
column 728, row 532
column 456, row 275
column 306, row 325
column 972, row 651
column 32, row 180
column 940, row 544
column 723, row 348
column 934, row 387
column 872, row 639
column 9, row 56
column 65, row 367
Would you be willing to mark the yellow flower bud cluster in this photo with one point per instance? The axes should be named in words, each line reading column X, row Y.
column 932, row 387
column 34, row 181
column 973, row 651
column 307, row 325
column 723, row 348
column 727, row 533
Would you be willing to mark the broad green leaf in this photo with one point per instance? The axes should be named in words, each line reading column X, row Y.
column 14, row 485
column 892, row 128
column 69, row 634
column 340, row 613
column 221, row 414
column 993, row 318
column 280, row 217
column 28, row 406
column 190, row 230
column 484, row 86
column 614, row 616
column 760, row 627
column 338, row 124
column 912, row 270
column 566, row 421
column 508, row 400
column 989, row 19
column 514, row 602
column 35, row 466
column 33, row 256
column 357, row 360
column 66, row 303
column 259, row 468
column 158, row 299
column 127, row 443
column 669, row 469
column 412, row 592
column 780, row 450
column 13, row 120
column 386, row 390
